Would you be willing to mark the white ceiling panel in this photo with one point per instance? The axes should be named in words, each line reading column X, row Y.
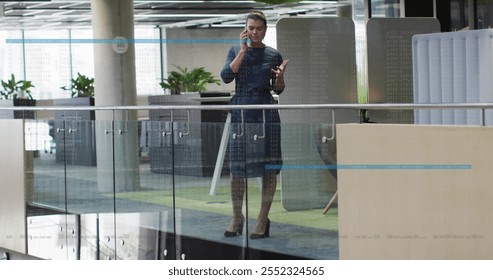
column 179, row 13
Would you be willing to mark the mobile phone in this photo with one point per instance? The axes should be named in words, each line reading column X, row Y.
column 247, row 40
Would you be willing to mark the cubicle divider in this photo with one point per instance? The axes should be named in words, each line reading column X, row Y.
column 390, row 63
column 321, row 70
column 461, row 72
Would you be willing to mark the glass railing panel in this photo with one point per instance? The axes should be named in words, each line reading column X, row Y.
column 90, row 183
column 203, row 197
column 157, row 183
column 18, row 151
column 48, row 174
column 156, row 191
column 144, row 207
column 305, row 184
column 47, row 218
column 71, row 188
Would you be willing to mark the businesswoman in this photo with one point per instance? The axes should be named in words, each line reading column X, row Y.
column 255, row 148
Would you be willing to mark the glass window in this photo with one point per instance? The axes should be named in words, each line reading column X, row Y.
column 485, row 14
column 82, row 53
column 53, row 57
column 385, row 8
column 458, row 15
column 11, row 57
column 47, row 62
column 147, row 61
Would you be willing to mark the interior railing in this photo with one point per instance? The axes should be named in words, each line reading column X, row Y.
column 99, row 183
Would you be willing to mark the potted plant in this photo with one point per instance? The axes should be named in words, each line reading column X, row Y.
column 82, row 86
column 184, row 80
column 12, row 89
column 82, row 94
column 172, row 83
column 16, row 93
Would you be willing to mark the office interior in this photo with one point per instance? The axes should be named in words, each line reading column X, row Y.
column 138, row 173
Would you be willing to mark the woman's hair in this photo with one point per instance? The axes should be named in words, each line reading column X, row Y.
column 257, row 15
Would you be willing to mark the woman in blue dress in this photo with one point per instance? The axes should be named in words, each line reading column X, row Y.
column 255, row 139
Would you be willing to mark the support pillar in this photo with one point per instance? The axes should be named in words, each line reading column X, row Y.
column 115, row 85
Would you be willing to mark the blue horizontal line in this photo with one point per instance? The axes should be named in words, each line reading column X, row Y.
column 123, row 41
column 368, row 166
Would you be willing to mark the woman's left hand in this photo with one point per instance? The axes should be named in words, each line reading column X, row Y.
column 279, row 71
column 278, row 86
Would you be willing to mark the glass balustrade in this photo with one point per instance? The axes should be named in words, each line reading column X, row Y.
column 161, row 189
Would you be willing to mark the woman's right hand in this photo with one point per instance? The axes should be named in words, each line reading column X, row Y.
column 235, row 64
column 244, row 40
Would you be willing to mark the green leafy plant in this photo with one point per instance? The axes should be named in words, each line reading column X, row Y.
column 82, row 86
column 173, row 82
column 184, row 80
column 11, row 89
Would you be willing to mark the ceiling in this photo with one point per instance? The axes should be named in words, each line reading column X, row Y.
column 181, row 13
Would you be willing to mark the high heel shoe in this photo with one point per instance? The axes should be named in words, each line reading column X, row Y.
column 265, row 234
column 239, row 230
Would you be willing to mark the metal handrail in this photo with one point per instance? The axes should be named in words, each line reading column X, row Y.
column 355, row 106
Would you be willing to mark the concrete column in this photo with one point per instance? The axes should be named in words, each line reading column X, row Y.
column 114, row 85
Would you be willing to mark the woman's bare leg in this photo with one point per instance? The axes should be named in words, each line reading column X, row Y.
column 268, row 191
column 238, row 186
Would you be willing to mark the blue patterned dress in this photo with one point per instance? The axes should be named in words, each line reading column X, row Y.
column 250, row 153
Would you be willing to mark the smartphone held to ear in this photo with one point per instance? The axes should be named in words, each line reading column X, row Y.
column 246, row 41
